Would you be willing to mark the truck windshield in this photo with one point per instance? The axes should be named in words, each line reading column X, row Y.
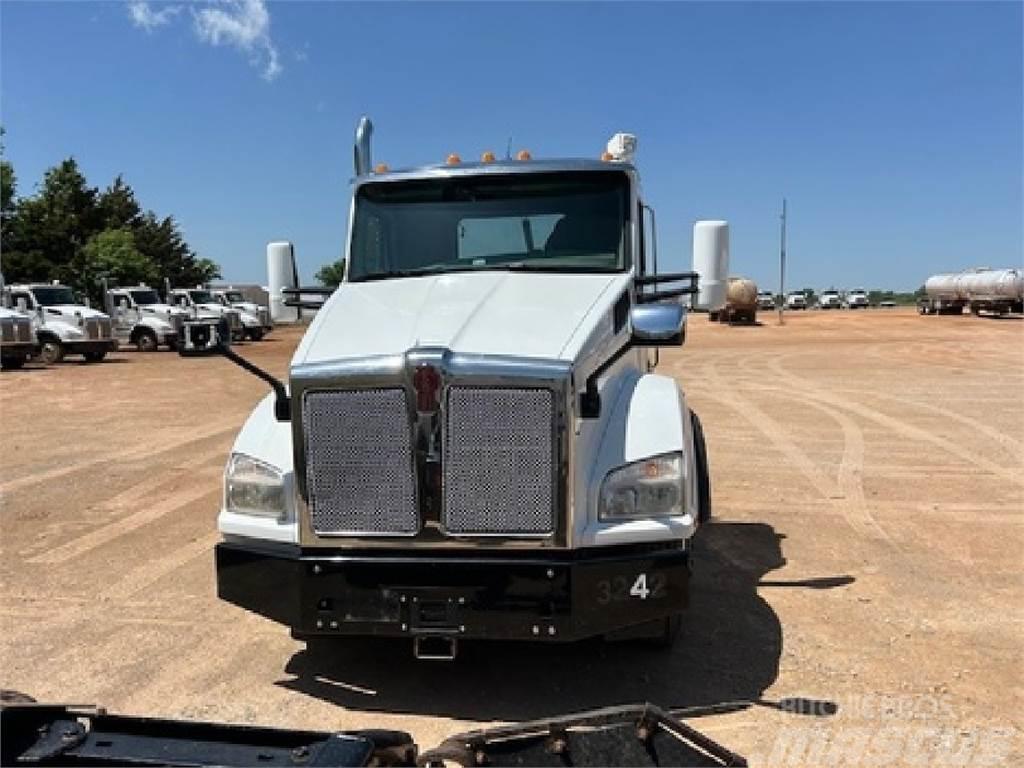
column 142, row 298
column 234, row 297
column 51, row 296
column 565, row 222
column 201, row 297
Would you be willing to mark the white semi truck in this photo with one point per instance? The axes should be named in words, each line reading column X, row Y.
column 473, row 442
column 62, row 325
column 255, row 318
column 830, row 299
column 201, row 305
column 17, row 341
column 143, row 320
column 857, row 298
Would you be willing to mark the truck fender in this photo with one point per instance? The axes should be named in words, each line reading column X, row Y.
column 649, row 417
column 265, row 438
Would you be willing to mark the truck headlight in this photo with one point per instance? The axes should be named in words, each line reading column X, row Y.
column 652, row 487
column 253, row 487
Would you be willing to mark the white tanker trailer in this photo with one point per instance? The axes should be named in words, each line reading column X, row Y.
column 982, row 290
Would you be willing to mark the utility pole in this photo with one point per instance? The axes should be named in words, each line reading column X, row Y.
column 782, row 267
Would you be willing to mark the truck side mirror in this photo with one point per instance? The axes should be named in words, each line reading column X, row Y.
column 659, row 324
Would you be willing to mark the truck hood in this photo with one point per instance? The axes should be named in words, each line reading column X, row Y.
column 524, row 314
column 163, row 309
column 70, row 310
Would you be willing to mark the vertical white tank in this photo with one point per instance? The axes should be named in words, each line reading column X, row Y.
column 281, row 273
column 711, row 262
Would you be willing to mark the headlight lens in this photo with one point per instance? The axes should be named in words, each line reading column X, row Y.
column 652, row 487
column 252, row 487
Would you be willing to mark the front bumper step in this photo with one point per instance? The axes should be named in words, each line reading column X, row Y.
column 567, row 596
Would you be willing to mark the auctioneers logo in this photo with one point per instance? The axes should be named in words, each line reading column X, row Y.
column 892, row 731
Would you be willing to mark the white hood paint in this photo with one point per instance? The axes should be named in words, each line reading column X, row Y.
column 524, row 314
column 73, row 309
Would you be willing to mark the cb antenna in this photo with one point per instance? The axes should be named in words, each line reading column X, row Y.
column 508, row 149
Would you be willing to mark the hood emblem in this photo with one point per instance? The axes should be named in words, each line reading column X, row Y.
column 427, row 382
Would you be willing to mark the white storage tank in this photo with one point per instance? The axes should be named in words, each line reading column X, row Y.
column 282, row 272
column 711, row 262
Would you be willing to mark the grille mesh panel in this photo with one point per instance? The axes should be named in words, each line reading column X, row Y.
column 498, row 461
column 7, row 329
column 359, row 473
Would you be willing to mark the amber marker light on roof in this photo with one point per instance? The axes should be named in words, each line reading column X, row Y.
column 524, row 154
column 487, row 157
column 381, row 168
column 453, row 159
column 607, row 157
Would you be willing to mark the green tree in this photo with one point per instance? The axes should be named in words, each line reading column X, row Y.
column 117, row 205
column 49, row 230
column 331, row 274
column 161, row 240
column 112, row 254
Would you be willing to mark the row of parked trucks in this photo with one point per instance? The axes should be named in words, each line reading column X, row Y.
column 47, row 321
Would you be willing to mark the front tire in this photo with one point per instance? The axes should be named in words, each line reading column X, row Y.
column 255, row 334
column 51, row 352
column 700, row 457
column 147, row 342
column 95, row 357
column 12, row 363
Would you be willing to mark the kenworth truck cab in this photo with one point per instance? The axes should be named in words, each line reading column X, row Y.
column 142, row 319
column 857, row 299
column 255, row 318
column 201, row 305
column 473, row 441
column 63, row 326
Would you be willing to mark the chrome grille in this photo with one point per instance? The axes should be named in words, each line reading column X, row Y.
column 359, row 470
column 105, row 328
column 499, row 461
column 23, row 328
column 6, row 330
column 92, row 328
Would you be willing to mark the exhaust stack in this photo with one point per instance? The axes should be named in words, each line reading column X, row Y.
column 363, row 157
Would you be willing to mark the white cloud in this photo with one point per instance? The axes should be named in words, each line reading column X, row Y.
column 244, row 25
column 143, row 15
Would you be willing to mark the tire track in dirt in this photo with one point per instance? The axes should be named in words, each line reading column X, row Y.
column 147, row 451
column 812, row 390
column 107, row 533
column 846, row 493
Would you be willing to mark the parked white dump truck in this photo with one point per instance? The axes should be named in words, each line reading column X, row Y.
column 857, row 298
column 474, row 442
column 255, row 319
column 765, row 300
column 830, row 299
column 202, row 305
column 796, row 300
column 62, row 325
column 996, row 291
column 143, row 320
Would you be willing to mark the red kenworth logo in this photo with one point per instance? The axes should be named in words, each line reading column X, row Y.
column 427, row 382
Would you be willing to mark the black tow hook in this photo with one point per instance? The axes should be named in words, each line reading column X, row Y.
column 435, row 647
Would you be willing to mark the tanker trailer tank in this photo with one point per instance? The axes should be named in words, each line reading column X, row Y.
column 740, row 301
column 997, row 291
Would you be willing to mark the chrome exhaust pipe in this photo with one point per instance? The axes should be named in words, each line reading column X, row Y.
column 363, row 157
column 435, row 647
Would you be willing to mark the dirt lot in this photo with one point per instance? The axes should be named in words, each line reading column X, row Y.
column 868, row 474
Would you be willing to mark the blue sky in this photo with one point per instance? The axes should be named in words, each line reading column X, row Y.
column 895, row 130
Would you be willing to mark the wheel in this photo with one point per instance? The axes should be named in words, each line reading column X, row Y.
column 255, row 333
column 700, row 456
column 146, row 341
column 12, row 363
column 172, row 344
column 713, row 317
column 52, row 351
column 95, row 357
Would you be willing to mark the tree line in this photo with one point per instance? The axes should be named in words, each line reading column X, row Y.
column 78, row 234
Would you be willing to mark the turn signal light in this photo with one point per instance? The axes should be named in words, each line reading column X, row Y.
column 607, row 157
column 524, row 154
column 381, row 168
column 487, row 157
column 453, row 159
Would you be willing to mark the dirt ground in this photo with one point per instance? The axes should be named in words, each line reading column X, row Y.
column 866, row 554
